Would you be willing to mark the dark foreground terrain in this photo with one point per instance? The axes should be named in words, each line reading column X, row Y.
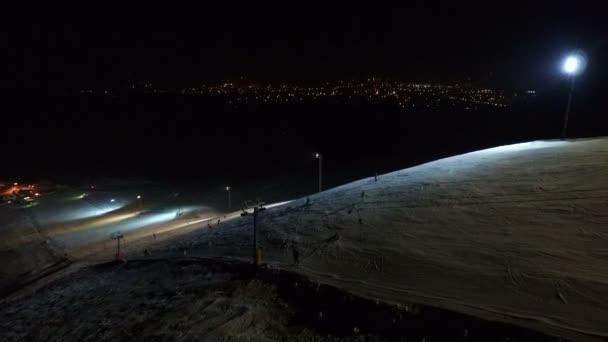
column 194, row 299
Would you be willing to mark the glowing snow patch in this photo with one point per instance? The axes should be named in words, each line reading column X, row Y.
column 77, row 197
column 110, row 219
column 148, row 219
column 277, row 204
column 87, row 212
column 522, row 147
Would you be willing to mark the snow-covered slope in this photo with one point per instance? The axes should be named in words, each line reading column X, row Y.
column 68, row 224
column 516, row 233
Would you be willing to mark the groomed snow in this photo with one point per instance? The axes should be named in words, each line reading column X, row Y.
column 516, row 233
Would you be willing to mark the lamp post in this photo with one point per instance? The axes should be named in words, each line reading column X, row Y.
column 319, row 156
column 118, row 236
column 229, row 197
column 573, row 65
column 259, row 207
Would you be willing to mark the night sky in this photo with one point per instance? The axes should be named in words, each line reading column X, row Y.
column 55, row 51
column 508, row 43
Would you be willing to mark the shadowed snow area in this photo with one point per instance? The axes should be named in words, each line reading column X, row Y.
column 72, row 223
column 516, row 233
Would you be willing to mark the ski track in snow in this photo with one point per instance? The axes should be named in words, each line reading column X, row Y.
column 516, row 233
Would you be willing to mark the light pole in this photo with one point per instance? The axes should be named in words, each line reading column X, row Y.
column 256, row 210
column 229, row 198
column 573, row 65
column 118, row 236
column 320, row 157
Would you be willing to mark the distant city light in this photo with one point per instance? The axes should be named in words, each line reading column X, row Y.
column 112, row 200
column 374, row 90
column 227, row 188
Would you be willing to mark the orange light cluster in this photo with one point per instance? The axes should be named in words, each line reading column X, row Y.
column 16, row 187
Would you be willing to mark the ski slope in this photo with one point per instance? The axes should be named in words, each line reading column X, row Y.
column 516, row 233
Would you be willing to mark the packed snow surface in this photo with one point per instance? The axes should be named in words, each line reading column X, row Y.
column 516, row 233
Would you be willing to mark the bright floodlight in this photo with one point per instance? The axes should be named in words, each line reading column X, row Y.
column 138, row 196
column 574, row 64
column 571, row 65
column 316, row 155
column 227, row 188
column 112, row 200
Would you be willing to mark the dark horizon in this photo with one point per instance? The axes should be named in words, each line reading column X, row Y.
column 504, row 44
column 54, row 52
